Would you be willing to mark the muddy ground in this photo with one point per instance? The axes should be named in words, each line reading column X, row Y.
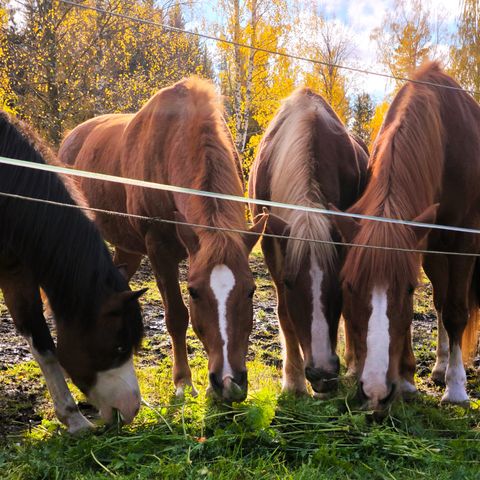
column 21, row 393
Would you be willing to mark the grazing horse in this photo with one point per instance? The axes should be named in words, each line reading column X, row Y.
column 425, row 167
column 59, row 249
column 307, row 157
column 179, row 137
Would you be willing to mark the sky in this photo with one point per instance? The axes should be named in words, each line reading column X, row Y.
column 359, row 18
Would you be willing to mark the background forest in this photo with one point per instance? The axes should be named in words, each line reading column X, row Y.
column 60, row 65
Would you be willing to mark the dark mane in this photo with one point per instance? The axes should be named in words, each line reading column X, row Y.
column 406, row 175
column 60, row 245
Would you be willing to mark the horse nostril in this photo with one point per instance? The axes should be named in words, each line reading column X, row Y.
column 215, row 382
column 361, row 393
column 336, row 362
column 241, row 379
column 390, row 396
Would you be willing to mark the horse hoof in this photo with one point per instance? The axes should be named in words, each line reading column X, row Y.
column 456, row 397
column 182, row 389
column 438, row 377
column 408, row 389
column 322, row 395
column 77, row 423
column 296, row 390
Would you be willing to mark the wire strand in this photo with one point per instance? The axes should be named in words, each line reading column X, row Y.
column 224, row 196
column 263, row 50
column 233, row 230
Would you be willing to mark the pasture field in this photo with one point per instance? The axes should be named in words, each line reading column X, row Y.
column 268, row 436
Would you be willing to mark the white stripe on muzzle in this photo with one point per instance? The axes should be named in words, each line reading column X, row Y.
column 374, row 376
column 222, row 282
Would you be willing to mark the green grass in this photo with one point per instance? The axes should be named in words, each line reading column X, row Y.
column 268, row 436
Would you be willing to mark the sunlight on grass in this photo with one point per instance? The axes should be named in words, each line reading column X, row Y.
column 270, row 435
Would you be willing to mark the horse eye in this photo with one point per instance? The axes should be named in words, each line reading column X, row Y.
column 120, row 349
column 288, row 283
column 251, row 292
column 411, row 290
column 193, row 293
column 349, row 287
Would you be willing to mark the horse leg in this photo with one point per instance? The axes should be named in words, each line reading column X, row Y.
column 22, row 298
column 165, row 268
column 407, row 366
column 455, row 315
column 436, row 268
column 293, row 364
column 131, row 260
column 349, row 351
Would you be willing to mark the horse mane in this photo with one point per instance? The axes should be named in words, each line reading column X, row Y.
column 202, row 156
column 60, row 245
column 406, row 175
column 288, row 147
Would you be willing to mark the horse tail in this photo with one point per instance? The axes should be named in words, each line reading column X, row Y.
column 471, row 333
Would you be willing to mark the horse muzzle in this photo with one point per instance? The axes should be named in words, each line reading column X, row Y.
column 230, row 388
column 378, row 405
column 117, row 389
column 324, row 381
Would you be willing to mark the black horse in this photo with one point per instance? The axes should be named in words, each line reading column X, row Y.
column 59, row 249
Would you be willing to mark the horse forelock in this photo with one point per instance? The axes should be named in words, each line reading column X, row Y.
column 218, row 248
column 290, row 153
column 366, row 268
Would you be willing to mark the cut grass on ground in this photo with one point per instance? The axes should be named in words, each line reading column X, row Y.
column 268, row 436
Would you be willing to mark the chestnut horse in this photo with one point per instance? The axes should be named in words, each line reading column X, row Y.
column 426, row 168
column 179, row 137
column 98, row 319
column 307, row 158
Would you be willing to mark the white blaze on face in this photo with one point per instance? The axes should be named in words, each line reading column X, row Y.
column 374, row 376
column 117, row 388
column 222, row 282
column 321, row 348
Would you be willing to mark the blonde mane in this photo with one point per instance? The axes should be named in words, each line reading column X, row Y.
column 289, row 146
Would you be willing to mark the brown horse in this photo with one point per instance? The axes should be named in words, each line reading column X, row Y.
column 98, row 319
column 425, row 167
column 179, row 137
column 307, row 158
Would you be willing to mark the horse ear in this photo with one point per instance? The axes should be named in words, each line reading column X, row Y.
column 131, row 295
column 259, row 222
column 278, row 226
column 122, row 268
column 347, row 226
column 186, row 235
column 429, row 215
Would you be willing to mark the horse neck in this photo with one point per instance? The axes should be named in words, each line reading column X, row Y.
column 81, row 273
column 61, row 246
